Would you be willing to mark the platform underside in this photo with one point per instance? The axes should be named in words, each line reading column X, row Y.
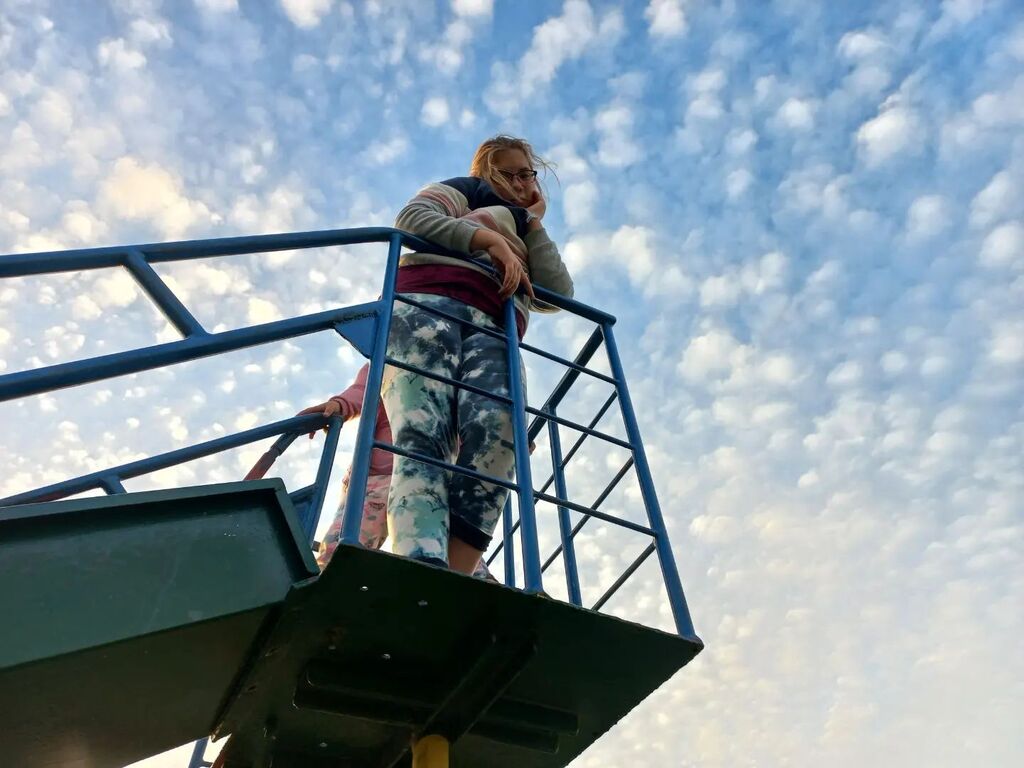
column 381, row 649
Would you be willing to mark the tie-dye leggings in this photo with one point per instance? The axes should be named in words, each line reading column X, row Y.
column 373, row 528
column 433, row 418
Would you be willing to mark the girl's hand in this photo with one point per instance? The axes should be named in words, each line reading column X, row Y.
column 538, row 207
column 328, row 409
column 513, row 274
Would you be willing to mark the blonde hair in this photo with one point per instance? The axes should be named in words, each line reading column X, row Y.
column 482, row 166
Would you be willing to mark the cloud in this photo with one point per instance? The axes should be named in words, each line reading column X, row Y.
column 134, row 190
column 711, row 354
column 217, row 6
column 385, row 152
column 472, row 7
column 555, row 41
column 666, row 18
column 1000, row 199
column 579, row 202
column 738, row 182
column 435, row 111
column 263, row 310
column 118, row 56
column 796, row 114
column 616, row 147
column 306, row 14
column 448, row 54
column 862, row 44
column 282, row 208
column 151, row 32
column 894, row 131
column 929, row 215
column 1004, row 247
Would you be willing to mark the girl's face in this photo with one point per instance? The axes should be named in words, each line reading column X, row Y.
column 514, row 169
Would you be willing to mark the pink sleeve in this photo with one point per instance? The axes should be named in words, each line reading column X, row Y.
column 353, row 396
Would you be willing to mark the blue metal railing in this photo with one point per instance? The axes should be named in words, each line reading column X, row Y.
column 366, row 326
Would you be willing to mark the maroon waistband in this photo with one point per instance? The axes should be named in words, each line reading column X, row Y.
column 459, row 283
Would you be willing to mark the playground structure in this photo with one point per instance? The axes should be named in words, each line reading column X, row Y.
column 151, row 619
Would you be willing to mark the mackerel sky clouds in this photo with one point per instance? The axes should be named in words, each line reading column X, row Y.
column 808, row 218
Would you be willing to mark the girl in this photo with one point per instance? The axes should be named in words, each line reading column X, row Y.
column 495, row 215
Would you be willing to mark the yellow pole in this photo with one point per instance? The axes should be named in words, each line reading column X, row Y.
column 430, row 752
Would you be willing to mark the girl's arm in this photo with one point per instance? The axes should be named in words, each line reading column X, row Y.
column 351, row 400
column 546, row 266
column 434, row 214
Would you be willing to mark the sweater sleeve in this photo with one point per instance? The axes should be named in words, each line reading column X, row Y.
column 546, row 266
column 353, row 396
column 434, row 215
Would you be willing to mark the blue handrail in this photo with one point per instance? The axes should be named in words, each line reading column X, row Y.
column 366, row 326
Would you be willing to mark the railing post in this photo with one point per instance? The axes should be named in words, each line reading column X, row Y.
column 670, row 573
column 198, row 751
column 509, row 544
column 371, row 398
column 311, row 515
column 572, row 577
column 524, row 478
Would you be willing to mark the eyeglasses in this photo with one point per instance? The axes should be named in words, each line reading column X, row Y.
column 526, row 175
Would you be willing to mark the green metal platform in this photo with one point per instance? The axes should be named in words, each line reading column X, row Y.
column 127, row 618
column 381, row 650
column 134, row 623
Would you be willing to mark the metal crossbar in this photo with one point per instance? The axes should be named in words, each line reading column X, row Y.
column 561, row 467
column 406, row 299
column 594, row 513
column 546, row 416
column 446, row 465
column 567, row 363
column 625, row 575
column 580, row 440
column 94, row 480
column 597, row 503
column 588, row 512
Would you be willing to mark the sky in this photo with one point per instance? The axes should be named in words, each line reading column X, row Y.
column 806, row 216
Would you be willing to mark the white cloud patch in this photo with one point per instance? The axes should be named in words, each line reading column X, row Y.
column 306, row 14
column 797, row 114
column 1004, row 247
column 472, row 7
column 738, row 182
column 156, row 32
column 384, row 152
column 895, row 131
column 555, row 41
column 263, row 311
column 1001, row 199
column 578, row 202
column 118, row 56
column 712, row 354
column 435, row 111
column 135, row 190
column 666, row 18
column 929, row 215
column 217, row 6
column 616, row 147
column 862, row 44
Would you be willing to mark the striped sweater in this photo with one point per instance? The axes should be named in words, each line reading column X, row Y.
column 450, row 212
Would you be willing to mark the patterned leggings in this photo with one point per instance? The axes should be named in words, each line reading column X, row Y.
column 373, row 528
column 438, row 420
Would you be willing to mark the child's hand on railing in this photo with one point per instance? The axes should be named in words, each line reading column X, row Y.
column 328, row 409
